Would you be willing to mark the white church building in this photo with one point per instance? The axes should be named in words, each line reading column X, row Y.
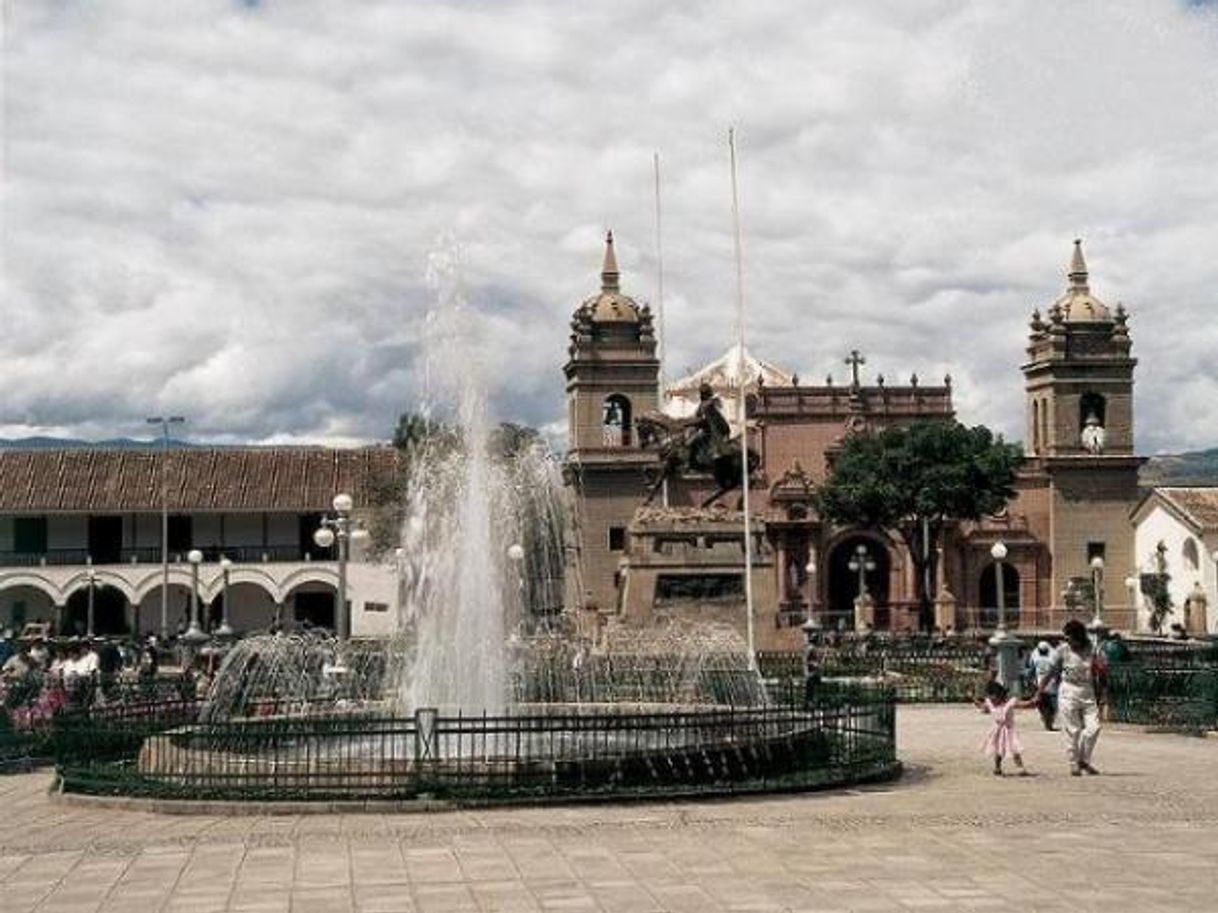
column 1182, row 524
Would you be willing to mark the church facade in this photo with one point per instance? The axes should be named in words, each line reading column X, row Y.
column 647, row 552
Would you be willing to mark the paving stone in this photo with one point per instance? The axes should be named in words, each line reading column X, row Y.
column 949, row 836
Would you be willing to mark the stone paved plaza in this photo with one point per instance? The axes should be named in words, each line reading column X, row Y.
column 950, row 836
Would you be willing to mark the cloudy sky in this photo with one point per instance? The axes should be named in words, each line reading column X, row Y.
column 226, row 209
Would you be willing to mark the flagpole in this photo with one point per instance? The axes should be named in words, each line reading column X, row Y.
column 742, row 410
column 659, row 309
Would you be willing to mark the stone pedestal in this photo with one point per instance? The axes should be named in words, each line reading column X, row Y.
column 864, row 613
column 945, row 610
column 1006, row 647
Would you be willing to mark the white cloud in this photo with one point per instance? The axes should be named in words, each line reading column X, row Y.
column 225, row 209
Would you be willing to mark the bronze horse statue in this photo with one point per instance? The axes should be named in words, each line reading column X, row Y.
column 699, row 444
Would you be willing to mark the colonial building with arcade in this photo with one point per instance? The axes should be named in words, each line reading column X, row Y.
column 646, row 554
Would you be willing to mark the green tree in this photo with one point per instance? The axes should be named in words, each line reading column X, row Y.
column 915, row 480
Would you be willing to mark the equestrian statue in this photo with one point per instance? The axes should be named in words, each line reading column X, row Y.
column 702, row 443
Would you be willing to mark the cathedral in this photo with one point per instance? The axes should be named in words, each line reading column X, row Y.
column 649, row 551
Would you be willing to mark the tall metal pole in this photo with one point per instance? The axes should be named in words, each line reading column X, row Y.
column 340, row 618
column 659, row 278
column 1001, row 593
column 743, row 408
column 660, row 383
column 165, row 421
column 89, row 616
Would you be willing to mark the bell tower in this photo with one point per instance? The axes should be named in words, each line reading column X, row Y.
column 612, row 376
column 1078, row 384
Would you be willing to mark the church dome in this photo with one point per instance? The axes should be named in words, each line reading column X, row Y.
column 610, row 306
column 1077, row 304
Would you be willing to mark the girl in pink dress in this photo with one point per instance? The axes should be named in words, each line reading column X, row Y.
column 1001, row 740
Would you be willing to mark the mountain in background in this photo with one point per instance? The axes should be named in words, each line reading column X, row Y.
column 1197, row 468
column 118, row 443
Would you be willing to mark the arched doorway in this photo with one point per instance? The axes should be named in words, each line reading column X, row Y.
column 178, row 607
column 843, row 581
column 313, row 605
column 109, row 612
column 21, row 605
column 251, row 607
column 988, row 594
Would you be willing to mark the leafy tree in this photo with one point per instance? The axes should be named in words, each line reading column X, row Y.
column 916, row 479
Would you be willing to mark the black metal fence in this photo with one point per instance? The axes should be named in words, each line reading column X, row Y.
column 33, row 706
column 956, row 670
column 1180, row 697
column 545, row 752
column 916, row 673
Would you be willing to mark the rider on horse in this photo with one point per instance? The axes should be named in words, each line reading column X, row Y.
column 710, row 431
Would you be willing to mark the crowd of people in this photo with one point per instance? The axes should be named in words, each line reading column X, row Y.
column 43, row 676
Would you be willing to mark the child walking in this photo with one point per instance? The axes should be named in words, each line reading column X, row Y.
column 1001, row 740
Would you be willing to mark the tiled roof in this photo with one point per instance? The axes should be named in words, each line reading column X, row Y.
column 1200, row 504
column 198, row 479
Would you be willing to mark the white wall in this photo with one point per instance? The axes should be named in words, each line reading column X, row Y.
column 1159, row 525
column 375, row 583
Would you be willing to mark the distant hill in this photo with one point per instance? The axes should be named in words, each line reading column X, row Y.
column 1197, row 468
column 118, row 443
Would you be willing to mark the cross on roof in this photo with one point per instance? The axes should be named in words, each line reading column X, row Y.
column 855, row 360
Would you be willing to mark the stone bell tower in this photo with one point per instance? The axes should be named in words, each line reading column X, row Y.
column 1079, row 395
column 612, row 377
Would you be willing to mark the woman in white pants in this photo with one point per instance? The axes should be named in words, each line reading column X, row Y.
column 1079, row 670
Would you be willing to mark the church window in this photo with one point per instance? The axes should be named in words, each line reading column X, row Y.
column 1044, row 424
column 617, row 538
column 1036, row 426
column 1191, row 557
column 615, row 421
column 1095, row 550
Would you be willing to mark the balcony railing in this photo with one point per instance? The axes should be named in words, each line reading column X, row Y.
column 245, row 554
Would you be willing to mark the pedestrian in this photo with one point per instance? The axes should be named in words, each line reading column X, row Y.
column 1041, row 662
column 1001, row 741
column 1079, row 671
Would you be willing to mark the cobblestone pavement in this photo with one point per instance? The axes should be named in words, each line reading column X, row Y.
column 948, row 836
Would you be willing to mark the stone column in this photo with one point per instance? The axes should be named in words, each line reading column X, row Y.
column 945, row 610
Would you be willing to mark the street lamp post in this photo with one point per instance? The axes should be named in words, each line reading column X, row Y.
column 225, row 566
column 1096, row 625
column 194, row 638
column 194, row 631
column 810, row 570
column 165, row 421
column 998, row 551
column 864, row 606
column 338, row 528
column 862, row 564
column 92, row 575
column 812, row 633
column 1005, row 643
